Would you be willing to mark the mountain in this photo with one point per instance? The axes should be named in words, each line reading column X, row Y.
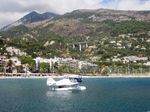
column 100, row 15
column 51, row 35
column 35, row 17
column 30, row 18
column 92, row 22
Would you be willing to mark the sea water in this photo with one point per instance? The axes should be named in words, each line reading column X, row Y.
column 101, row 95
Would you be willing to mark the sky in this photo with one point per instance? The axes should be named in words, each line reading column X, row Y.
column 12, row 10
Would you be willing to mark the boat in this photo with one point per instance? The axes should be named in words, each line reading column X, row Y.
column 64, row 84
column 73, row 77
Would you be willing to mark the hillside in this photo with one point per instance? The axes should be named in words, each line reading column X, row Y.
column 98, row 31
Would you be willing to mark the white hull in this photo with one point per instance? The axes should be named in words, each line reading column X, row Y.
column 80, row 88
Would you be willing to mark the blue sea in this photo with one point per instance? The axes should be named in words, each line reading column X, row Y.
column 102, row 95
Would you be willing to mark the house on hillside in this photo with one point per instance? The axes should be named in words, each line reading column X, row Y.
column 147, row 63
column 134, row 59
column 86, row 65
column 2, row 60
column 15, row 64
column 15, row 51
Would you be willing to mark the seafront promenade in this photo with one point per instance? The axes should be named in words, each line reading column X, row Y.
column 55, row 75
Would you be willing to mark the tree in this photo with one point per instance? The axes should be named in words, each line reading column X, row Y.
column 44, row 67
column 29, row 61
column 10, row 65
column 105, row 70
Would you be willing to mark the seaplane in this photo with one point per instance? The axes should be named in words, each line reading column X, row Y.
column 64, row 84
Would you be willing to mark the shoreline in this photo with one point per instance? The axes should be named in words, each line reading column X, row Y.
column 56, row 76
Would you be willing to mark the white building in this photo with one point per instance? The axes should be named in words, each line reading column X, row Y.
column 147, row 64
column 116, row 59
column 15, row 51
column 15, row 61
column 64, row 61
column 2, row 60
column 85, row 64
column 134, row 59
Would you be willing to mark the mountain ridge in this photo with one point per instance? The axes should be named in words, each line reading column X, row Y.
column 30, row 18
column 94, row 15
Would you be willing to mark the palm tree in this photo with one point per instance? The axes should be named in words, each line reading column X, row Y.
column 105, row 71
column 10, row 65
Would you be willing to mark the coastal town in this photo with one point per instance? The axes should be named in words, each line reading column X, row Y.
column 43, row 65
column 14, row 60
column 19, row 62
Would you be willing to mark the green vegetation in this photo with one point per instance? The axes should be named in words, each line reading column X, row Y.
column 29, row 61
column 56, row 37
column 128, row 27
column 44, row 68
column 15, row 31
